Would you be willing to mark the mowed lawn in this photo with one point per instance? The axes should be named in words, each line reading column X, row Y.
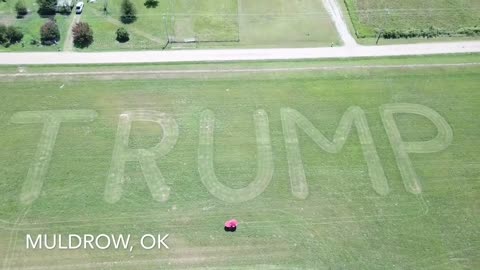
column 283, row 23
column 211, row 23
column 30, row 26
column 229, row 23
column 450, row 15
column 342, row 224
column 147, row 32
column 174, row 20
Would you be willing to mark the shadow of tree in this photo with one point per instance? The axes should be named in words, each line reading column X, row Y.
column 128, row 19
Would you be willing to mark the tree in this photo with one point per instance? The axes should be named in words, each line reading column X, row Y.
column 49, row 33
column 151, row 3
column 10, row 35
column 129, row 12
column 14, row 34
column 82, row 35
column 3, row 34
column 21, row 9
column 122, row 35
column 47, row 7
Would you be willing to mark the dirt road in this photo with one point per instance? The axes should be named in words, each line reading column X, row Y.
column 335, row 12
column 68, row 44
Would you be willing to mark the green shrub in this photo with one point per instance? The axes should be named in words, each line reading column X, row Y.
column 3, row 34
column 430, row 32
column 34, row 42
column 151, row 3
column 122, row 35
column 14, row 34
column 470, row 31
column 21, row 9
column 10, row 35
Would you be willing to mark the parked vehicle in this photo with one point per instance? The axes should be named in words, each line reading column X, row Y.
column 79, row 7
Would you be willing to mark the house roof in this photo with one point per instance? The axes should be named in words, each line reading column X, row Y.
column 62, row 3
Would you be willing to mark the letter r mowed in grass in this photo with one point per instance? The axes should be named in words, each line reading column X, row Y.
column 362, row 164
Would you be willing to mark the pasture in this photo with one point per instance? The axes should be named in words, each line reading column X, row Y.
column 230, row 23
column 368, row 15
column 208, row 23
column 358, row 164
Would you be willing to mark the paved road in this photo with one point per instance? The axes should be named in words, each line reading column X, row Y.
column 238, row 54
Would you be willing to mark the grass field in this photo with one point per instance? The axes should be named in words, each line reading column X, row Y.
column 343, row 223
column 178, row 20
column 30, row 25
column 231, row 23
column 228, row 23
column 369, row 15
column 279, row 23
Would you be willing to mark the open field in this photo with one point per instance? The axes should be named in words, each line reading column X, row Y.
column 231, row 23
column 177, row 20
column 250, row 145
column 228, row 23
column 30, row 26
column 279, row 23
column 368, row 15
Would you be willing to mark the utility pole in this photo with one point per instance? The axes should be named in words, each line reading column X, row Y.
column 379, row 35
column 384, row 24
column 166, row 32
column 166, row 28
